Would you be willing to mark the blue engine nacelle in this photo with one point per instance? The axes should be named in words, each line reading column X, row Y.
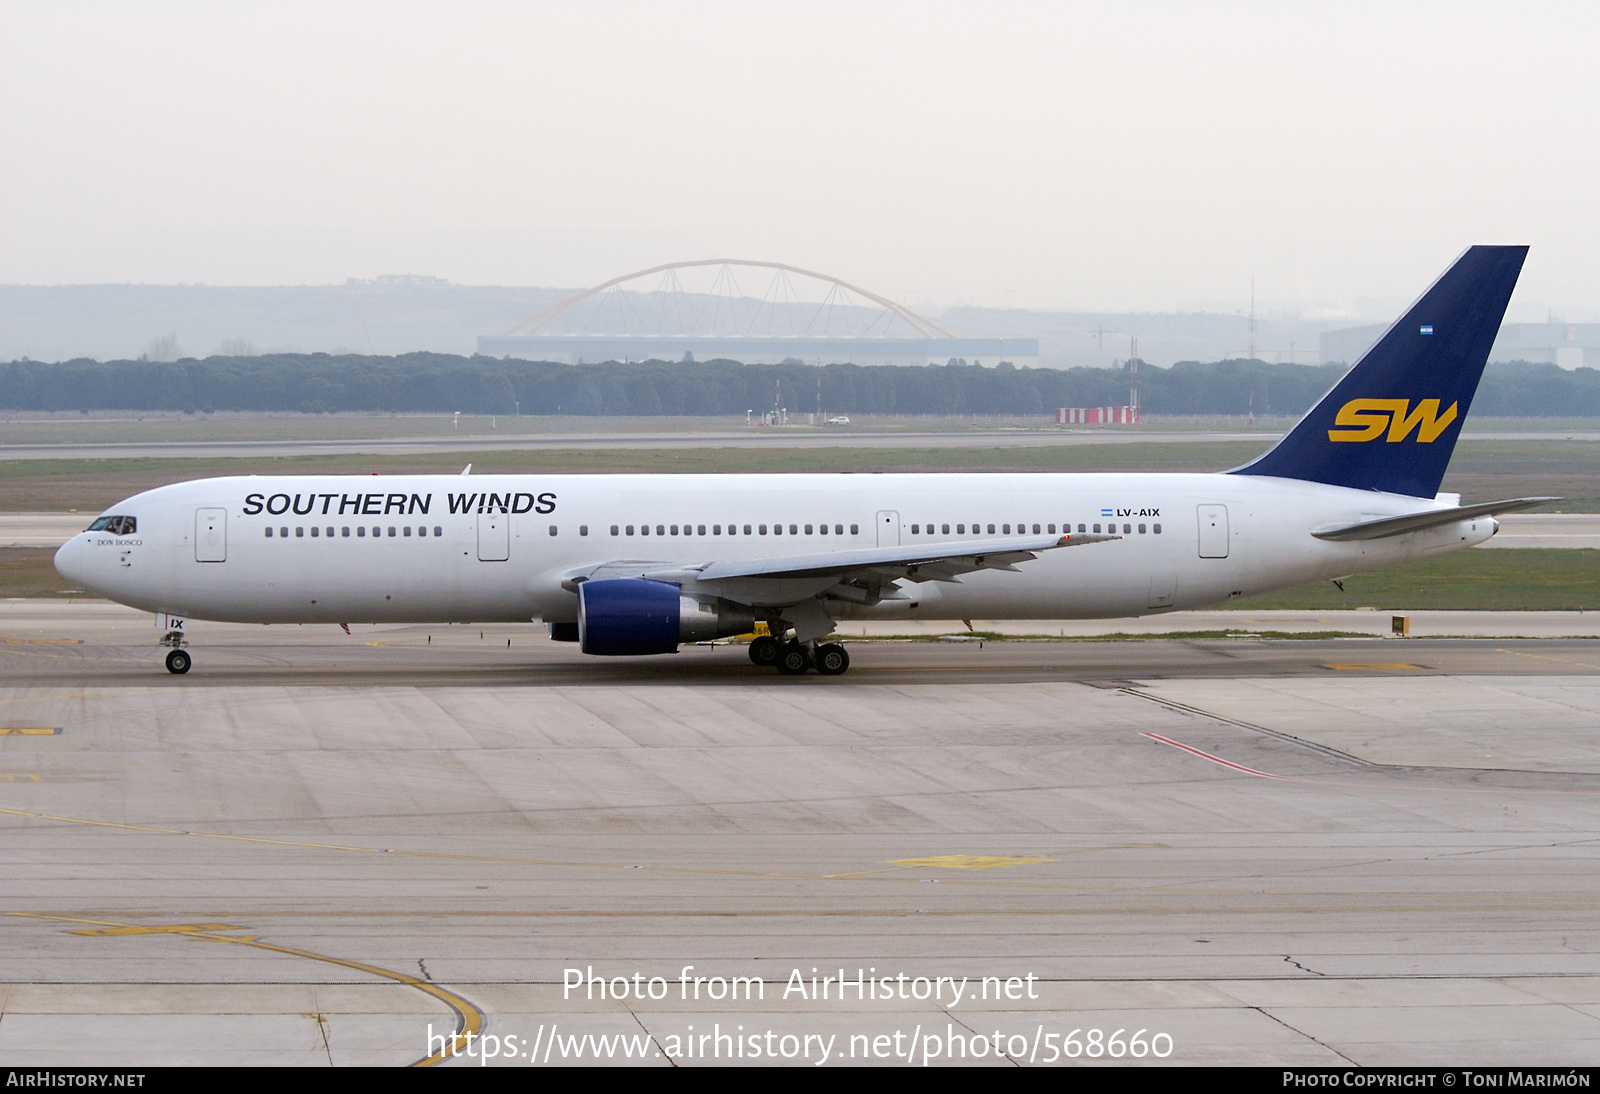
column 632, row 616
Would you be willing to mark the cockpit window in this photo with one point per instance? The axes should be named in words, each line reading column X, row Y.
column 117, row 526
column 100, row 525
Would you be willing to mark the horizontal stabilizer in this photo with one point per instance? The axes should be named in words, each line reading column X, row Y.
column 1433, row 518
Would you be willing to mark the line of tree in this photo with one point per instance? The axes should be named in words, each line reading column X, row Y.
column 432, row 382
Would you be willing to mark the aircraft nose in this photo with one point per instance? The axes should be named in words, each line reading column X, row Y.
column 69, row 560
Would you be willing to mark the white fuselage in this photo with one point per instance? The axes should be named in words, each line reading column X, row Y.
column 347, row 549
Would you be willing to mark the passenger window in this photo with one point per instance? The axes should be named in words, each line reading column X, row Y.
column 552, row 529
column 991, row 529
column 961, row 529
column 1081, row 529
column 855, row 529
column 808, row 529
column 794, row 530
column 437, row 531
column 284, row 532
column 913, row 529
column 700, row 530
column 1036, row 529
column 1050, row 528
column 1126, row 529
column 777, row 529
column 747, row 529
column 674, row 529
column 269, row 532
column 763, row 529
column 361, row 532
column 1097, row 529
column 613, row 529
column 1005, row 529
column 330, row 533
column 822, row 528
column 583, row 529
column 630, row 529
column 1141, row 529
column 407, row 531
column 314, row 531
column 838, row 529
column 1156, row 528
column 644, row 529
column 716, row 529
column 944, row 529
column 661, row 530
column 345, row 532
column 299, row 533
column 391, row 531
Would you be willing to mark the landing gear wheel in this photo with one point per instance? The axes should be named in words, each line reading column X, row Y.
column 832, row 660
column 764, row 651
column 792, row 659
column 178, row 662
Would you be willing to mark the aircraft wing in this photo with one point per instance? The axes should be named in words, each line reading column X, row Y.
column 860, row 574
column 920, row 562
column 1385, row 527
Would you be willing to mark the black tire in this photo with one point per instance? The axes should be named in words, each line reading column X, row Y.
column 793, row 659
column 178, row 662
column 832, row 660
column 764, row 651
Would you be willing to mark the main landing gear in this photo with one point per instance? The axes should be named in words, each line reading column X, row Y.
column 795, row 658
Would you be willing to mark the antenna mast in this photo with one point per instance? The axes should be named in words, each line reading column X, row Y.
column 1252, row 355
column 1133, row 380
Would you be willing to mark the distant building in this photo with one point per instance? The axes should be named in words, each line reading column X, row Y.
column 742, row 310
column 755, row 349
column 1097, row 415
column 1567, row 345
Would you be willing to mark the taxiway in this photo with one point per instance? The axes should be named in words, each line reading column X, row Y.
column 315, row 848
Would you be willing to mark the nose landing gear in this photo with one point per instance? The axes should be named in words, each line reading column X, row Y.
column 178, row 660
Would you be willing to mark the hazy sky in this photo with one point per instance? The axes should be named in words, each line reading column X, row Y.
column 1061, row 155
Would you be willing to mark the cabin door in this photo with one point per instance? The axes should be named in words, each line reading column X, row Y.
column 1213, row 531
column 888, row 529
column 494, row 535
column 211, row 535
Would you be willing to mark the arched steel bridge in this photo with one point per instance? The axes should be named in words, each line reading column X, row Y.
column 741, row 309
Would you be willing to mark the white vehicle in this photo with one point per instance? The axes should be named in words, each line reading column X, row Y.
column 838, row 419
column 637, row 564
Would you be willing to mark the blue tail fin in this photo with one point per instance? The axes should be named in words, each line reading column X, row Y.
column 1392, row 422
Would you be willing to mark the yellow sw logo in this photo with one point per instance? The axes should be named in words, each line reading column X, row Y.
column 1366, row 419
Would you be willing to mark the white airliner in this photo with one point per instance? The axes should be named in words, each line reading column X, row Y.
column 638, row 564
